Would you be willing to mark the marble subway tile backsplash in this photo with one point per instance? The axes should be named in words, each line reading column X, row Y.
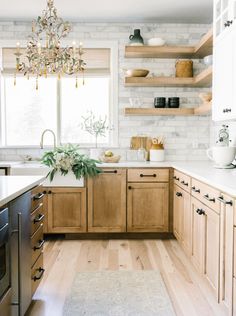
column 186, row 137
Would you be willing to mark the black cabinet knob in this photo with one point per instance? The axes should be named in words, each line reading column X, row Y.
column 179, row 194
column 129, row 187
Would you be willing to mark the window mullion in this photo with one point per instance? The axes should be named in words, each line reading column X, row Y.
column 59, row 112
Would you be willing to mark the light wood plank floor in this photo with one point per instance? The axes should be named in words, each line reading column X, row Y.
column 64, row 258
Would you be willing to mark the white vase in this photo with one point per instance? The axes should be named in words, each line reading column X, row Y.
column 157, row 155
column 95, row 153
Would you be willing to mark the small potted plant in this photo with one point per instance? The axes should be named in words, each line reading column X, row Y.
column 67, row 160
column 96, row 127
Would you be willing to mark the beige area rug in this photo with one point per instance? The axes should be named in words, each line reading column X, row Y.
column 118, row 293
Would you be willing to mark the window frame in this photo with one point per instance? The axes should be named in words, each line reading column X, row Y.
column 113, row 102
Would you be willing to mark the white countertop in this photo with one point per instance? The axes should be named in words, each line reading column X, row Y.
column 8, row 164
column 222, row 179
column 13, row 186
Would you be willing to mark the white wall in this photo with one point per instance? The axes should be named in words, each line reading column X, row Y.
column 186, row 137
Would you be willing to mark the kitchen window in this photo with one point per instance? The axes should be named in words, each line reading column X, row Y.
column 57, row 104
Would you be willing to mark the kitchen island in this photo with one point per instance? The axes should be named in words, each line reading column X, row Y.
column 21, row 241
column 13, row 186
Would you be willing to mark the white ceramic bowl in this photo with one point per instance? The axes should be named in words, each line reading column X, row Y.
column 208, row 60
column 156, row 41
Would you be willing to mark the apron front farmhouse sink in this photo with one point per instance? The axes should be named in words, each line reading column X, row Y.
column 25, row 169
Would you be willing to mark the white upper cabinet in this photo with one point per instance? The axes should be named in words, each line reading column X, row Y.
column 224, row 15
column 224, row 64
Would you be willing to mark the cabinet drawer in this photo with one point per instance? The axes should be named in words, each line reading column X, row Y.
column 37, row 218
column 148, row 175
column 37, row 195
column 37, row 243
column 182, row 180
column 206, row 194
column 37, row 272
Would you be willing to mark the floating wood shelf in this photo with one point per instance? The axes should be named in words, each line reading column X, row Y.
column 201, row 110
column 200, row 50
column 204, row 79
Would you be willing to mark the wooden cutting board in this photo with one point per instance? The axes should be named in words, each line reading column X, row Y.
column 141, row 141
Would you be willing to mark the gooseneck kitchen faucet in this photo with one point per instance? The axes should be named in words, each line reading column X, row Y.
column 42, row 137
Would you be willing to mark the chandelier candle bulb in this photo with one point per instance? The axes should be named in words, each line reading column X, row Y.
column 18, row 48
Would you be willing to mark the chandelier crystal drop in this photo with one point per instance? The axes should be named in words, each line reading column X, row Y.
column 44, row 54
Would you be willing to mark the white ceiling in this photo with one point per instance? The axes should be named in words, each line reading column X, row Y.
column 189, row 11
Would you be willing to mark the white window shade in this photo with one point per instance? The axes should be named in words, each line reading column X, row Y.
column 97, row 60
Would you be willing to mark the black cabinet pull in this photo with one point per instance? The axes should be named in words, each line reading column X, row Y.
column 184, row 183
column 179, row 194
column 49, row 192
column 110, row 171
column 38, row 196
column 40, row 245
column 200, row 211
column 39, row 218
column 129, row 187
column 221, row 199
column 195, row 190
column 206, row 196
column 41, row 272
column 228, row 23
column 148, row 175
column 226, row 110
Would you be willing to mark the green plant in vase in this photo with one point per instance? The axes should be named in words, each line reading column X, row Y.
column 96, row 127
column 67, row 159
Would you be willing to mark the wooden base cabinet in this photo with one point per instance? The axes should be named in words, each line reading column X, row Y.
column 148, row 207
column 107, row 201
column 206, row 243
column 226, row 252
column 182, row 218
column 66, row 210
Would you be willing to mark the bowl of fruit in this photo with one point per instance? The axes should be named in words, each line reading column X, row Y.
column 109, row 157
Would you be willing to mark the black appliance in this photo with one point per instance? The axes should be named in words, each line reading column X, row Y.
column 4, row 252
column 20, row 253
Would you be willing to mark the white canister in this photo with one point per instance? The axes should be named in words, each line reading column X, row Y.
column 157, row 154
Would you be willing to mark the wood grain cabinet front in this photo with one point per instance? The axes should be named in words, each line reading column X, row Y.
column 66, row 210
column 227, row 252
column 107, row 201
column 205, row 252
column 148, row 207
column 182, row 218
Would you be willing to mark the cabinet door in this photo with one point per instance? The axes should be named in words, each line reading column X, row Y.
column 223, row 79
column 66, row 210
column 198, row 235
column 178, row 213
column 107, row 201
column 187, row 224
column 212, row 246
column 148, row 207
column 226, row 252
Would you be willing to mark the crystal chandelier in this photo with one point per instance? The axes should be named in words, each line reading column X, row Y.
column 44, row 54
